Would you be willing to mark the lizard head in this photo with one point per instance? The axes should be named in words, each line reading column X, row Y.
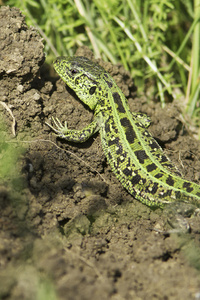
column 82, row 75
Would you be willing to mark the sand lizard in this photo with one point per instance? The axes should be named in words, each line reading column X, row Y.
column 133, row 154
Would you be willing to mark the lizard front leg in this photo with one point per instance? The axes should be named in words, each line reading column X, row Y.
column 72, row 135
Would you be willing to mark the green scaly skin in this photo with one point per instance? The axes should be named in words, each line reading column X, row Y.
column 133, row 154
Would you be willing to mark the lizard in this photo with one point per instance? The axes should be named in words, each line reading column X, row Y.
column 134, row 155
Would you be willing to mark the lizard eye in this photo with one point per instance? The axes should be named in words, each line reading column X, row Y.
column 74, row 71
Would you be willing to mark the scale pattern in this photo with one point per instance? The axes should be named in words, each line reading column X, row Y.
column 133, row 154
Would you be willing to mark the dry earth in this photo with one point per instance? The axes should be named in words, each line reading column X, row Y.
column 68, row 228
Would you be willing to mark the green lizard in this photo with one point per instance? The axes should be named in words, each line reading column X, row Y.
column 134, row 156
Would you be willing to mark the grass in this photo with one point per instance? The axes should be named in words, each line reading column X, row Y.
column 158, row 41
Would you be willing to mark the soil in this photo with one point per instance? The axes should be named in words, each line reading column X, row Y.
column 68, row 228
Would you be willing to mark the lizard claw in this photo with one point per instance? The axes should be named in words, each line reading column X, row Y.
column 58, row 127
